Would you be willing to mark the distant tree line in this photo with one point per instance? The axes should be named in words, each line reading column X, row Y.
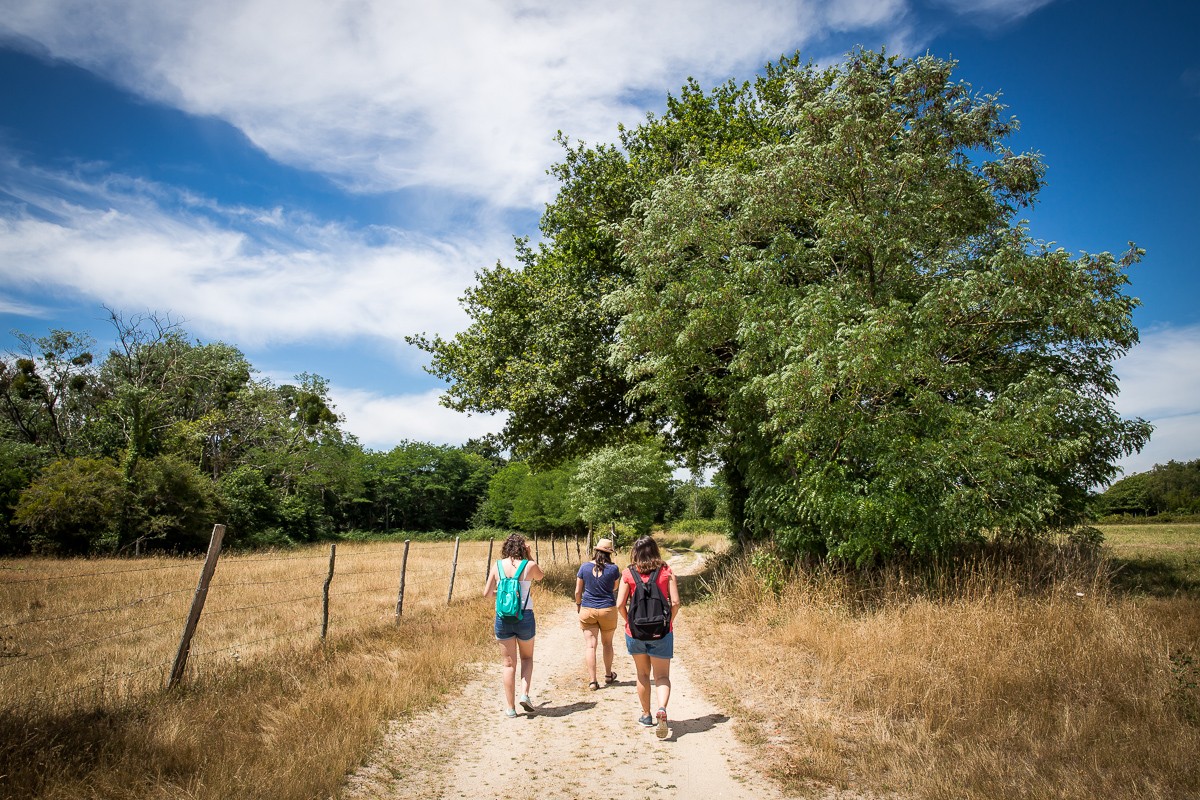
column 145, row 446
column 1171, row 488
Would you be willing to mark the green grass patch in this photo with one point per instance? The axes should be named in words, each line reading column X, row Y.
column 1156, row 560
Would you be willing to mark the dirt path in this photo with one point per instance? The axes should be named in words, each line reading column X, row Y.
column 578, row 742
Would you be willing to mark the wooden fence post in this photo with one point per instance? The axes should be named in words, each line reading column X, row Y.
column 487, row 568
column 578, row 554
column 453, row 569
column 189, row 627
column 553, row 552
column 403, row 570
column 536, row 557
column 325, row 593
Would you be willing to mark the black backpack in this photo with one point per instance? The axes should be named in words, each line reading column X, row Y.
column 649, row 611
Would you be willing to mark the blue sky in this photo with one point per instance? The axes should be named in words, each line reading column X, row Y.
column 312, row 180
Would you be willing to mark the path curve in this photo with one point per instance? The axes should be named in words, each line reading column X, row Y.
column 578, row 742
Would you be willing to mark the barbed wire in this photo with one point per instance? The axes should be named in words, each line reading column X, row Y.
column 292, row 579
column 218, row 612
column 291, row 632
column 76, row 646
column 190, row 565
column 130, row 604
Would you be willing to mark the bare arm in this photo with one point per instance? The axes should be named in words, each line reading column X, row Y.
column 622, row 601
column 489, row 588
column 675, row 604
column 578, row 593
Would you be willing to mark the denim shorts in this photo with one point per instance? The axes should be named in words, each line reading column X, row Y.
column 658, row 648
column 524, row 629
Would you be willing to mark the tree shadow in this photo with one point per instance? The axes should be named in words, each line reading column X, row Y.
column 685, row 727
column 561, row 711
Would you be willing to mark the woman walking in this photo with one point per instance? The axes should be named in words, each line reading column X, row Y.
column 596, row 603
column 650, row 584
column 515, row 633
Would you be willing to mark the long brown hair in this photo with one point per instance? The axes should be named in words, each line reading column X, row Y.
column 515, row 546
column 645, row 555
column 600, row 559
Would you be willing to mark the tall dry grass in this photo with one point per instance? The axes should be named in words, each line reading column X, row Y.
column 266, row 710
column 1004, row 676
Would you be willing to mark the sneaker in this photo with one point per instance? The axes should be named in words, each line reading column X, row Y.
column 662, row 723
column 526, row 703
column 510, row 712
column 646, row 721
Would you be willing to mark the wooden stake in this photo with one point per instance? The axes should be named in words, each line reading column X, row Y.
column 189, row 627
column 325, row 593
column 403, row 570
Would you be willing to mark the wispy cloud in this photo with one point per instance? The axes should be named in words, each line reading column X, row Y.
column 253, row 276
column 381, row 421
column 1160, row 382
column 461, row 95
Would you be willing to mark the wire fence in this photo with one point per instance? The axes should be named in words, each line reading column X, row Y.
column 93, row 631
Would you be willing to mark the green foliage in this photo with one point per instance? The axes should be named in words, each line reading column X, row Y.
column 174, row 504
column 627, row 483
column 72, row 507
column 1171, row 488
column 690, row 501
column 819, row 281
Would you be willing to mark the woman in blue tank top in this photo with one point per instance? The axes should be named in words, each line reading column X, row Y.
column 596, row 602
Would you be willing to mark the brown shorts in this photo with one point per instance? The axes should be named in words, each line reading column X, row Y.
column 604, row 619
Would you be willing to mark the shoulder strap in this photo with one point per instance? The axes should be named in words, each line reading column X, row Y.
column 652, row 585
column 520, row 568
column 500, row 568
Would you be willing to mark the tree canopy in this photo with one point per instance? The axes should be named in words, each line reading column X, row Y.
column 817, row 280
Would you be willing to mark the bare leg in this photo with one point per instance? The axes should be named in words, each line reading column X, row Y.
column 642, row 664
column 661, row 667
column 589, row 653
column 508, row 657
column 526, row 649
column 606, row 643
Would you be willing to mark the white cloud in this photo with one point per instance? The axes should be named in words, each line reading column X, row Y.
column 382, row 421
column 248, row 275
column 993, row 11
column 1160, row 382
column 462, row 95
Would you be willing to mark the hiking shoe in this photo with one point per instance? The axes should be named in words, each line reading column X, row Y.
column 646, row 721
column 662, row 723
column 526, row 703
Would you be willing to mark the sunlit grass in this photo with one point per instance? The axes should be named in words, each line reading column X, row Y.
column 266, row 709
column 984, row 684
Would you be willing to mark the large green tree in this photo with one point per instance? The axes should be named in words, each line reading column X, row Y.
column 820, row 281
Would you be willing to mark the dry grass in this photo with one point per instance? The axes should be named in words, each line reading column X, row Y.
column 992, row 681
column 266, row 711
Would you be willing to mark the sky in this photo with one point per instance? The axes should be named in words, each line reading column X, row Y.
column 313, row 180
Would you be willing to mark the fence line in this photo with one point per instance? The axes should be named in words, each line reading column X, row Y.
column 425, row 582
column 131, row 604
column 191, row 565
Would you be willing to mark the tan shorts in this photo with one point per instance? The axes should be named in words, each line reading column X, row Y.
column 604, row 619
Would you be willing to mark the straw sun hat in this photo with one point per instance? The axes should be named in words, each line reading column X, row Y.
column 605, row 545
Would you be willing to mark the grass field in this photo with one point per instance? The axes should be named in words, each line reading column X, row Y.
column 1158, row 560
column 991, row 683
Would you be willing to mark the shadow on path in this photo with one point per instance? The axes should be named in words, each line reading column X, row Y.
column 561, row 711
column 683, row 727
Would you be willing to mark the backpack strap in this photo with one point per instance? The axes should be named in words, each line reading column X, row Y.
column 517, row 576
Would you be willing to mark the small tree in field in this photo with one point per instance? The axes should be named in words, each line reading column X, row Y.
column 622, row 484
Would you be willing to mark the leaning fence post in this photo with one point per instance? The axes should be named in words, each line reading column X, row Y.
column 536, row 557
column 325, row 593
column 487, row 568
column 189, row 627
column 403, row 570
column 453, row 569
